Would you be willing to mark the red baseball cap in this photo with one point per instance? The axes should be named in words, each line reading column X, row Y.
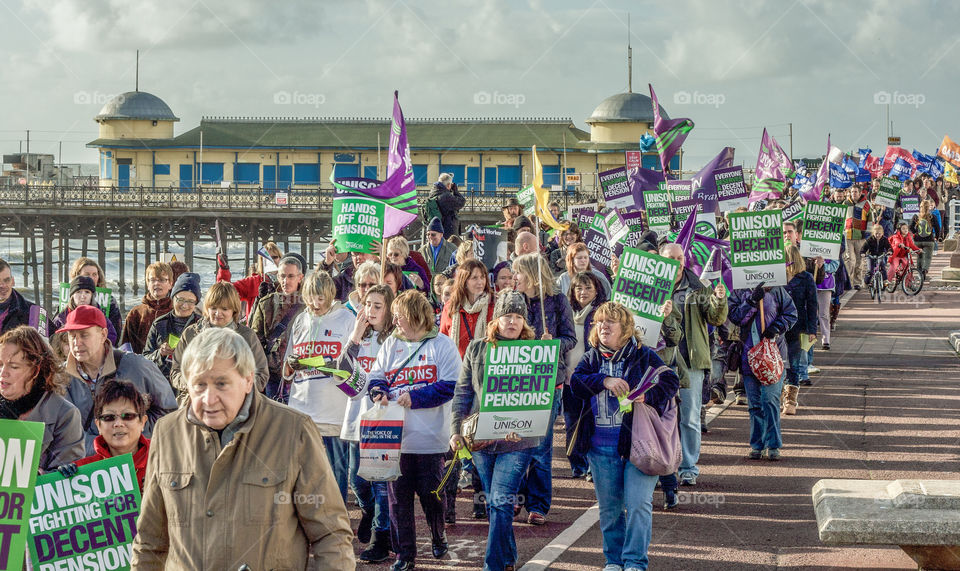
column 82, row 317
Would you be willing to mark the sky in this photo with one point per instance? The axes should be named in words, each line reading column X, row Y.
column 732, row 67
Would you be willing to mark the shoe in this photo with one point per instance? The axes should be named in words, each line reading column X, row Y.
column 402, row 565
column 440, row 548
column 577, row 474
column 718, row 395
column 534, row 518
column 379, row 550
column 703, row 428
column 773, row 454
column 755, row 454
column 670, row 500
column 450, row 518
column 688, row 479
column 826, row 346
column 790, row 394
column 589, row 477
column 631, row 569
column 612, row 567
column 365, row 526
column 806, row 383
column 479, row 513
column 857, row 287
column 812, row 370
column 741, row 399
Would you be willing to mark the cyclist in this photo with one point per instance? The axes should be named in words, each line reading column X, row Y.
column 875, row 247
column 901, row 244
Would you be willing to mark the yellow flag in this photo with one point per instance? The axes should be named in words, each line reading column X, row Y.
column 543, row 195
column 950, row 173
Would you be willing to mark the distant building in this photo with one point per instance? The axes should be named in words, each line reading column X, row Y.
column 138, row 147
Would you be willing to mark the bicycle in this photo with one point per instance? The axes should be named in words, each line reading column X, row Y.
column 908, row 277
column 875, row 281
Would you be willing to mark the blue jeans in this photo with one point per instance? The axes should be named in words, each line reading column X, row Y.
column 501, row 475
column 763, row 402
column 691, row 401
column 625, row 495
column 339, row 456
column 370, row 495
column 537, row 485
column 797, row 371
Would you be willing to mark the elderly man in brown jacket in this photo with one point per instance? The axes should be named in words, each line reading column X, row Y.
column 235, row 480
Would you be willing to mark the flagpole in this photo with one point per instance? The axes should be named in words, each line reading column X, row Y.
column 543, row 311
column 383, row 262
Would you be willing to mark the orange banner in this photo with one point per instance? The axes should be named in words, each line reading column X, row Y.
column 949, row 151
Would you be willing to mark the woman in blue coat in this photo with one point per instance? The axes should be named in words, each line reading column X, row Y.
column 803, row 292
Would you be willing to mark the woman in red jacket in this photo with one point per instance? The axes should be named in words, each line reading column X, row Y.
column 465, row 316
column 901, row 244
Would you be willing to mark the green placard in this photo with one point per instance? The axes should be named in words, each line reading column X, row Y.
column 528, row 200
column 644, row 283
column 822, row 229
column 86, row 521
column 173, row 340
column 888, row 192
column 657, row 205
column 756, row 249
column 516, row 394
column 356, row 223
column 19, row 461
column 101, row 296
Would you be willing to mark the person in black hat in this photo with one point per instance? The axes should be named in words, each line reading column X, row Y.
column 166, row 330
column 437, row 251
column 83, row 291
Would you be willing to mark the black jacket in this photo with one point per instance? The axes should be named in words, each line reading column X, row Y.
column 160, row 331
column 450, row 201
column 18, row 313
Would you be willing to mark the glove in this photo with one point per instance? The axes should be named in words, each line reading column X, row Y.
column 222, row 262
column 757, row 294
column 67, row 470
column 293, row 361
column 769, row 333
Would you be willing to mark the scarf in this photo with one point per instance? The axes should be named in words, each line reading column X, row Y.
column 580, row 317
column 480, row 306
column 13, row 409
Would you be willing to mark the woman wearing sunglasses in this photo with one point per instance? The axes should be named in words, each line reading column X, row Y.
column 120, row 414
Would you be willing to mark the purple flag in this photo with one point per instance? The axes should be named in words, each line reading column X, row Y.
column 772, row 162
column 399, row 190
column 702, row 254
column 669, row 133
column 704, row 183
column 823, row 177
column 641, row 179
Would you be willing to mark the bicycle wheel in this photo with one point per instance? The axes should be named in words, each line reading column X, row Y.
column 892, row 286
column 877, row 288
column 912, row 282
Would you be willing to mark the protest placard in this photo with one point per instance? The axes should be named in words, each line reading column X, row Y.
column 657, row 205
column 615, row 188
column 101, row 296
column 633, row 159
column 20, row 443
column 732, row 193
column 756, row 249
column 679, row 189
column 582, row 214
column 616, row 228
column 706, row 219
column 489, row 245
column 888, row 192
column 86, row 521
column 357, row 222
column 644, row 282
column 822, row 229
column 595, row 238
column 910, row 204
column 793, row 210
column 516, row 394
column 528, row 200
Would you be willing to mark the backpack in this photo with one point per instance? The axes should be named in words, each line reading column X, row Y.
column 924, row 228
column 431, row 210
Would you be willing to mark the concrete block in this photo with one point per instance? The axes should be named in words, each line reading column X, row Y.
column 955, row 340
column 950, row 245
column 950, row 274
column 920, row 516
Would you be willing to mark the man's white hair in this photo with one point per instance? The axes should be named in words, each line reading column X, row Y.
column 217, row 343
column 446, row 177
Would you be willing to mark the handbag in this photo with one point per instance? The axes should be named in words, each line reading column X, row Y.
column 764, row 358
column 381, row 432
column 655, row 440
column 468, row 430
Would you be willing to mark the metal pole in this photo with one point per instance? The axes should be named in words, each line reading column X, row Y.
column 60, row 169
column 791, row 143
column 28, row 157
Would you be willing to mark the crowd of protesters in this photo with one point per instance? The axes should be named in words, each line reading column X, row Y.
column 202, row 387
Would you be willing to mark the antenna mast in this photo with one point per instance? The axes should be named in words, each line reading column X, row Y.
column 629, row 58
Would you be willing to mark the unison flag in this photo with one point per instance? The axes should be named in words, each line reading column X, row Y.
column 823, row 176
column 399, row 191
column 705, row 184
column 839, row 177
column 772, row 161
column 670, row 133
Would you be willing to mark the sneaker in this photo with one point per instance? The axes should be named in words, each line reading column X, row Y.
column 450, row 518
column 534, row 518
column 755, row 454
column 741, row 399
column 857, row 287
column 773, row 454
column 826, row 347
column 718, row 394
column 589, row 477
column 812, row 370
column 806, row 383
column 401, row 565
column 670, row 500
column 688, row 479
column 479, row 513
column 612, row 567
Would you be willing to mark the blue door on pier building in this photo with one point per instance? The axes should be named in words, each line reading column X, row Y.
column 123, row 176
column 186, row 178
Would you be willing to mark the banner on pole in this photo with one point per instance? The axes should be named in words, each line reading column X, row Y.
column 516, row 394
column 643, row 284
column 756, row 249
